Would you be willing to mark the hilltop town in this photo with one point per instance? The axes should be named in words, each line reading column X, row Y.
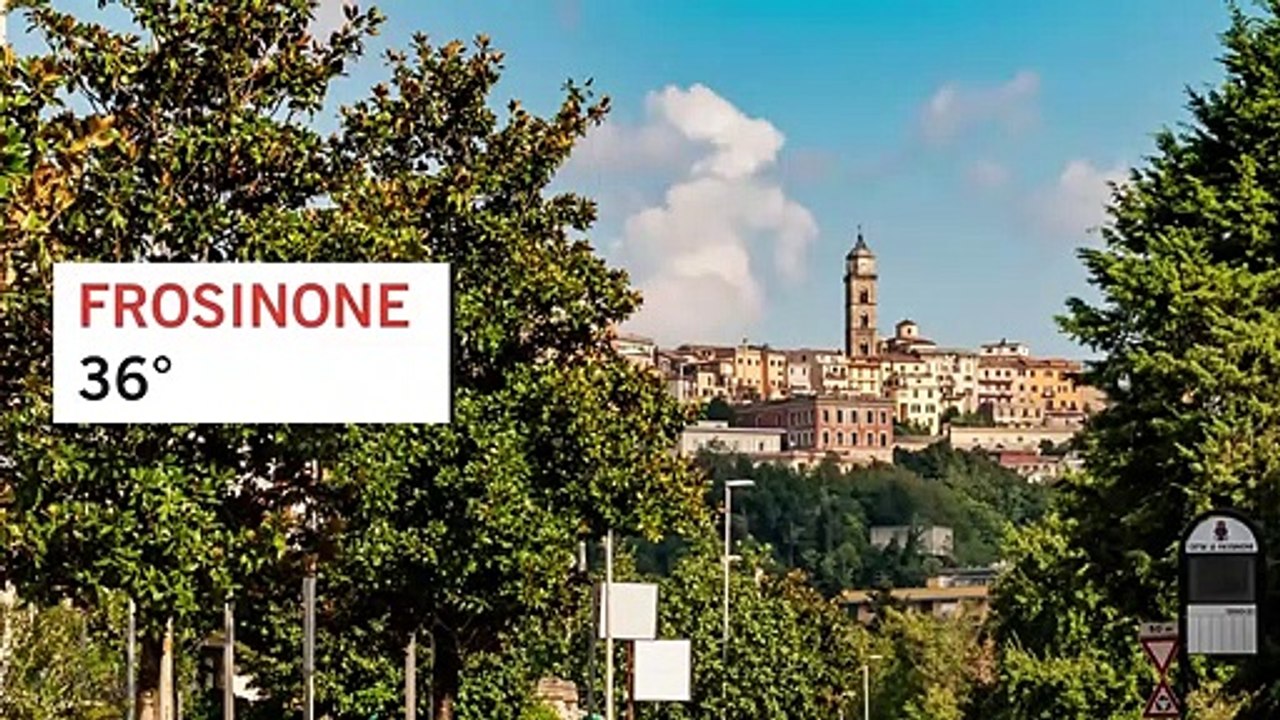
column 856, row 404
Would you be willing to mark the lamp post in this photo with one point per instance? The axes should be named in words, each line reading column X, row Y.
column 729, row 485
column 866, row 686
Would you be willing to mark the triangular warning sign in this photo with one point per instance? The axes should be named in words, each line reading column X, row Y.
column 1161, row 651
column 1162, row 704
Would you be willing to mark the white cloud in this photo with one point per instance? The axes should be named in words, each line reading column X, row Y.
column 329, row 17
column 988, row 174
column 1077, row 202
column 697, row 254
column 954, row 108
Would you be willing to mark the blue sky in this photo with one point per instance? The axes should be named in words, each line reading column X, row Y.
column 971, row 140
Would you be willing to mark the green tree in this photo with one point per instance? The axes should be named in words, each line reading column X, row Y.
column 59, row 664
column 718, row 409
column 198, row 146
column 461, row 531
column 1187, row 327
column 1064, row 650
column 191, row 147
column 780, row 629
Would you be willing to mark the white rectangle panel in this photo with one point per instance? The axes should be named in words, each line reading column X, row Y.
column 633, row 611
column 663, row 670
column 252, row 343
column 1222, row 630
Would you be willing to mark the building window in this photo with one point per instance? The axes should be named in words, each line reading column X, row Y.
column 866, row 321
column 853, row 438
column 826, row 439
column 839, row 416
column 871, row 417
column 871, row 439
column 839, row 438
column 826, row 417
column 884, row 440
column 884, row 416
column 864, row 297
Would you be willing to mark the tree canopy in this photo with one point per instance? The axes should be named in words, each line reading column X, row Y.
column 1188, row 330
column 197, row 143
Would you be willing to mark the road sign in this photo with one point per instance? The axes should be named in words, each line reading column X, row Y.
column 1161, row 652
column 252, row 343
column 1221, row 584
column 1163, row 703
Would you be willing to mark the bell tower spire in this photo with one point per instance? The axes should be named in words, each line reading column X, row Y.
column 860, row 290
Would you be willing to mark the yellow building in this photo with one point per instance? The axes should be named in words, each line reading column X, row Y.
column 1021, row 391
column 914, row 391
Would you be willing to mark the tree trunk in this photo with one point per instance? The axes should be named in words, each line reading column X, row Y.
column 446, row 668
column 155, row 678
column 150, row 658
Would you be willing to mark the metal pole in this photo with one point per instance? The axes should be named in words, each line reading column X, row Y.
column 584, row 564
column 724, row 640
column 608, row 626
column 309, row 646
column 228, row 662
column 411, row 678
column 728, row 513
column 866, row 691
column 131, row 658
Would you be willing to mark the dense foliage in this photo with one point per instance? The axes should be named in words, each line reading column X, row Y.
column 61, row 663
column 198, row 144
column 818, row 519
column 1188, row 329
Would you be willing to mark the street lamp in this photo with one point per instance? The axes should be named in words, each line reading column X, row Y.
column 729, row 485
column 866, row 686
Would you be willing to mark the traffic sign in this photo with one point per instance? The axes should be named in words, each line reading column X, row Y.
column 1161, row 652
column 1163, row 703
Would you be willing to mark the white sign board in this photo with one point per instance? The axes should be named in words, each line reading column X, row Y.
column 1221, row 534
column 663, row 670
column 1222, row 629
column 252, row 343
column 633, row 611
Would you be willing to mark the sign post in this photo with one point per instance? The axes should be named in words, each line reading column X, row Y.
column 1160, row 643
column 1221, row 587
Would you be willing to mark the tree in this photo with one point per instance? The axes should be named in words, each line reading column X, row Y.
column 1064, row 650
column 718, row 409
column 780, row 628
column 1187, row 326
column 59, row 664
column 199, row 147
column 555, row 437
column 192, row 147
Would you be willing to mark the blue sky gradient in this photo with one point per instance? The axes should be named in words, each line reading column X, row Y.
column 968, row 208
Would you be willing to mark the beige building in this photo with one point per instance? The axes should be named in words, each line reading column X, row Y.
column 942, row 601
column 1006, row 438
column 718, row 436
column 914, row 391
column 866, row 376
column 935, row 540
column 956, row 374
column 640, row 350
column 1004, row 348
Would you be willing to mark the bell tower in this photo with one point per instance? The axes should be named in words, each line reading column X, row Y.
column 860, row 334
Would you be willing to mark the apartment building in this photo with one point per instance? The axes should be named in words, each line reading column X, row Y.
column 913, row 391
column 956, row 374
column 1022, row 391
column 845, row 425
